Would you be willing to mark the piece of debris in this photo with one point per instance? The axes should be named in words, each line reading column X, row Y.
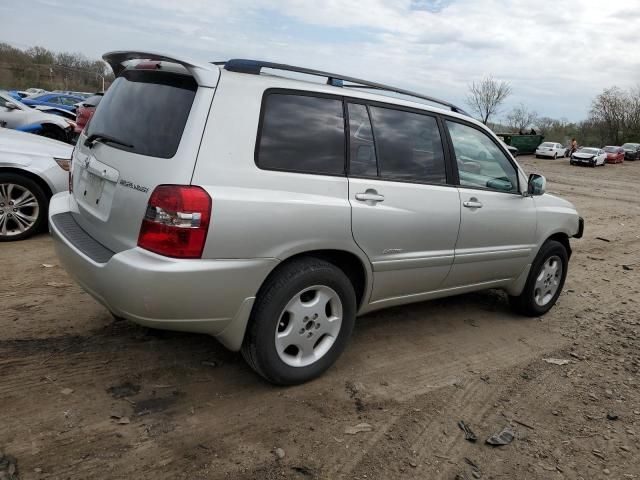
column 58, row 284
column 612, row 416
column 556, row 361
column 468, row 433
column 361, row 427
column 280, row 453
column 413, row 464
column 576, row 356
column 66, row 391
column 598, row 454
column 505, row 437
column 37, row 470
column 210, row 363
column 625, row 448
column 520, row 422
column 603, row 239
column 593, row 396
column 8, row 467
column 123, row 421
column 48, row 265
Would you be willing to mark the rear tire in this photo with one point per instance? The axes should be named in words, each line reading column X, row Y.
column 23, row 207
column 301, row 321
column 545, row 281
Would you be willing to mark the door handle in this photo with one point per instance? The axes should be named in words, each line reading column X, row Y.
column 370, row 196
column 472, row 203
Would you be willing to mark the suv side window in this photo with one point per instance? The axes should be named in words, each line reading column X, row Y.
column 302, row 133
column 362, row 150
column 409, row 146
column 480, row 162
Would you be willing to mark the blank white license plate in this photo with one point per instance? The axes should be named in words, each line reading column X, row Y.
column 93, row 189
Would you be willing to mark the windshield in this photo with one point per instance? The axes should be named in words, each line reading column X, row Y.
column 147, row 110
column 630, row 145
column 592, row 151
column 611, row 149
column 547, row 144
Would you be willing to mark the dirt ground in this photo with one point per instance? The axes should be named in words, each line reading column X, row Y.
column 83, row 396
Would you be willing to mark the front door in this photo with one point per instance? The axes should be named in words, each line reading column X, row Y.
column 405, row 213
column 498, row 224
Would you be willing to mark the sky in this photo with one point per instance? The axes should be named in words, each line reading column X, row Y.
column 557, row 55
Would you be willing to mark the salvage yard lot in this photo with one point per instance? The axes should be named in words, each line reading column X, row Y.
column 85, row 396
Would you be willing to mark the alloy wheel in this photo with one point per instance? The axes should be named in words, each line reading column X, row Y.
column 19, row 209
column 308, row 326
column 548, row 280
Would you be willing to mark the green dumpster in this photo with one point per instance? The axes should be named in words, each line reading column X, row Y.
column 524, row 143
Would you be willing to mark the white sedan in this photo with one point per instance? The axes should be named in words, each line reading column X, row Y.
column 32, row 169
column 589, row 156
column 550, row 149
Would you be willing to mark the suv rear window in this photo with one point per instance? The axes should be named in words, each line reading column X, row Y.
column 145, row 109
column 302, row 133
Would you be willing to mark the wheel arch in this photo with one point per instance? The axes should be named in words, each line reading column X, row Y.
column 351, row 264
column 46, row 188
column 562, row 238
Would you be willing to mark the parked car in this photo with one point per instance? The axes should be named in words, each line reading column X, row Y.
column 17, row 94
column 631, row 151
column 34, row 91
column 273, row 225
column 550, row 149
column 16, row 115
column 32, row 168
column 614, row 154
column 85, row 111
column 50, row 99
column 589, row 156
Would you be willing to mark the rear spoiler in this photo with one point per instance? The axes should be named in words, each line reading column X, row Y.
column 206, row 74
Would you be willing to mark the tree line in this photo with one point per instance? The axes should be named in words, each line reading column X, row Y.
column 42, row 68
column 614, row 115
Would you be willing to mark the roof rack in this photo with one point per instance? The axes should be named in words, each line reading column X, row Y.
column 255, row 66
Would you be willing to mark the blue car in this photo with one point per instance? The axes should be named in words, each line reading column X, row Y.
column 58, row 100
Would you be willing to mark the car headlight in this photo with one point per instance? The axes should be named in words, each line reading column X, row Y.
column 64, row 163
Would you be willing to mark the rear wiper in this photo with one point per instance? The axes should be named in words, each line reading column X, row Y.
column 94, row 137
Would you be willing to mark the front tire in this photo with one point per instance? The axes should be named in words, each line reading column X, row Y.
column 301, row 322
column 555, row 156
column 23, row 207
column 545, row 281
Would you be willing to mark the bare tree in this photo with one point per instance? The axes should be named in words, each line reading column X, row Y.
column 545, row 124
column 486, row 96
column 609, row 109
column 521, row 117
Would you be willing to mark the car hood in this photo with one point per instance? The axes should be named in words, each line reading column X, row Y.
column 584, row 155
column 13, row 141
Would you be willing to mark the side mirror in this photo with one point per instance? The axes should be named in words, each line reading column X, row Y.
column 11, row 106
column 536, row 185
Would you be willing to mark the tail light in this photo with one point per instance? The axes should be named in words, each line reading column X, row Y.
column 176, row 221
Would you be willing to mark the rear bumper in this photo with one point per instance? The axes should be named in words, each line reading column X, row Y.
column 205, row 296
column 545, row 154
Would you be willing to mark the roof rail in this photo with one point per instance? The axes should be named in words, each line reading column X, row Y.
column 255, row 66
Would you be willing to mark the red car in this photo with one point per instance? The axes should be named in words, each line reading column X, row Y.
column 614, row 154
column 85, row 110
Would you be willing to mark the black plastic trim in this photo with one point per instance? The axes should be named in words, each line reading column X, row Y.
column 69, row 229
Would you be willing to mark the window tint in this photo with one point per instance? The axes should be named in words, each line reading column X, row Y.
column 362, row 152
column 480, row 162
column 302, row 134
column 146, row 109
column 409, row 146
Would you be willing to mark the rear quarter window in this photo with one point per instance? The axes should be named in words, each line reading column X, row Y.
column 146, row 109
column 302, row 133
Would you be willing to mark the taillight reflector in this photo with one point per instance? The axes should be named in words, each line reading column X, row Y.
column 176, row 221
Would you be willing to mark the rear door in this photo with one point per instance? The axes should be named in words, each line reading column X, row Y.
column 405, row 213
column 145, row 132
column 498, row 224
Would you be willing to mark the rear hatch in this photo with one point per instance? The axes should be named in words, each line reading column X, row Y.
column 145, row 132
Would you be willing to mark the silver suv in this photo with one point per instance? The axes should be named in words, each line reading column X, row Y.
column 269, row 210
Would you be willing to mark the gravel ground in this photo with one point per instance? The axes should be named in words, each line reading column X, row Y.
column 85, row 396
